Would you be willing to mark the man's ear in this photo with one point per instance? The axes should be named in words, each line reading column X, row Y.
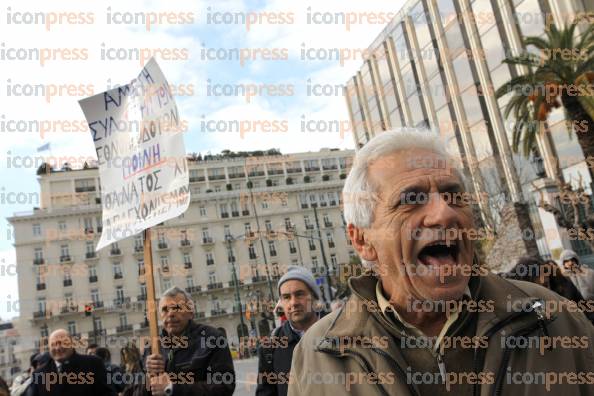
column 360, row 240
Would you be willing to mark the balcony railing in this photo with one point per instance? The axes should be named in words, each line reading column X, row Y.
column 67, row 282
column 312, row 169
column 118, row 275
column 245, row 212
column 39, row 314
column 115, row 252
column 331, row 245
column 138, row 248
column 123, row 328
column 185, row 242
column 90, row 255
column 253, row 256
column 41, row 286
column 292, row 250
column 235, row 213
column 212, row 286
column 187, row 264
column 225, row 215
column 141, row 297
column 84, row 189
column 97, row 333
column 89, row 230
column 329, row 167
column 231, row 259
column 275, row 171
column 309, row 226
column 236, row 175
column 256, row 173
column 69, row 308
column 216, row 312
column 273, row 253
column 195, row 179
column 162, row 245
column 232, row 283
column 216, row 177
column 293, row 170
column 259, row 278
column 328, row 224
column 98, row 304
column 38, row 261
column 193, row 289
column 65, row 258
column 209, row 262
column 207, row 240
column 92, row 278
column 120, row 301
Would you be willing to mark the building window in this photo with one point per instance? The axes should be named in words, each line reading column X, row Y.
column 189, row 281
column 202, row 211
column 164, row 263
column 95, row 296
column 140, row 264
column 312, row 245
column 333, row 261
column 209, row 259
column 64, row 251
column 252, row 251
column 92, row 271
column 224, row 210
column 187, row 258
column 272, row 248
column 268, row 225
column 36, row 229
column 292, row 248
column 264, row 204
column 38, row 254
column 330, row 239
column 117, row 270
column 166, row 283
column 72, row 328
column 89, row 247
column 98, row 324
column 212, row 277
column 123, row 320
column 62, row 225
column 120, row 293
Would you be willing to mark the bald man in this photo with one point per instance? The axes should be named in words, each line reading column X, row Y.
column 68, row 373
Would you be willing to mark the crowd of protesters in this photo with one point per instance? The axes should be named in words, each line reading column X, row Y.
column 373, row 341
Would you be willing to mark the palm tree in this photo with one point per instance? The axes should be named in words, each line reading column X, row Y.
column 561, row 76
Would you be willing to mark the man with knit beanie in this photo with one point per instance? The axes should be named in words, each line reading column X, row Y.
column 581, row 276
column 298, row 294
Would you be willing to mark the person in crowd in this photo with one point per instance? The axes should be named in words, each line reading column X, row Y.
column 194, row 359
column 114, row 372
column 411, row 222
column 92, row 349
column 547, row 274
column 131, row 362
column 67, row 372
column 581, row 276
column 299, row 294
column 4, row 391
column 22, row 382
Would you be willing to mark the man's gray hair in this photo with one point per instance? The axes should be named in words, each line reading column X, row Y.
column 176, row 291
column 359, row 195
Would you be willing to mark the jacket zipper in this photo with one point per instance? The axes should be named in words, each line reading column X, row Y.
column 398, row 368
column 479, row 353
column 364, row 363
column 507, row 355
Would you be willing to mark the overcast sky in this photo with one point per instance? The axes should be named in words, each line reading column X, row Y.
column 85, row 48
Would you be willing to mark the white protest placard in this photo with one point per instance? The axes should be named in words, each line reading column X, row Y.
column 141, row 155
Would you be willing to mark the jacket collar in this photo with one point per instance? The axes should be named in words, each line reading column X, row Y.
column 361, row 315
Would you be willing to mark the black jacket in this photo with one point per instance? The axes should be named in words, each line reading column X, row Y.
column 203, row 366
column 80, row 375
column 274, row 361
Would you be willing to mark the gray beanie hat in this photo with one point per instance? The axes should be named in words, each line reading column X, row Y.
column 302, row 274
column 568, row 254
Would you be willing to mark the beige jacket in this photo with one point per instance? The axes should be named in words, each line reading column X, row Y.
column 357, row 351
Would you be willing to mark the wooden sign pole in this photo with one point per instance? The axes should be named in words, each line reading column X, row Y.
column 151, row 304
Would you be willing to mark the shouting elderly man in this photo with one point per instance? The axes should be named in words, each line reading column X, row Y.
column 429, row 320
column 194, row 359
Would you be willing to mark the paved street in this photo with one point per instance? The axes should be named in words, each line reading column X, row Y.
column 246, row 371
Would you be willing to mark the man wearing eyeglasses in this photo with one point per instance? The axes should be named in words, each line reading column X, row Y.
column 194, row 358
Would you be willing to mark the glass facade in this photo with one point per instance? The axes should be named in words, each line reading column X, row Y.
column 430, row 43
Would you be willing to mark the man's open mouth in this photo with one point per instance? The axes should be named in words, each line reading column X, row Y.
column 438, row 253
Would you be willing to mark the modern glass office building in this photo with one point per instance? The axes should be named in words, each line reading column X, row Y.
column 437, row 64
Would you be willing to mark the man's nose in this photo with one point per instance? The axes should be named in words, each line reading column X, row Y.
column 439, row 212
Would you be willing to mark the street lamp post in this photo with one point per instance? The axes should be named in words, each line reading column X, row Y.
column 328, row 279
column 271, row 290
column 231, row 257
